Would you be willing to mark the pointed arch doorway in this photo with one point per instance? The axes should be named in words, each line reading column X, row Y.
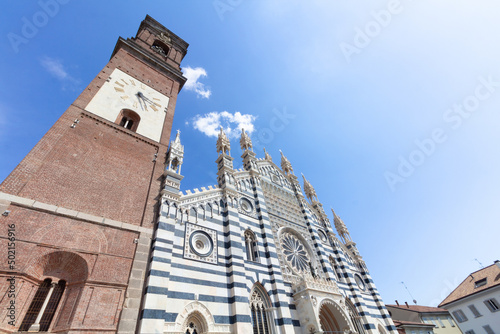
column 331, row 318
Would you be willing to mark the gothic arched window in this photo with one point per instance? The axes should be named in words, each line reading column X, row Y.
column 355, row 317
column 251, row 246
column 336, row 268
column 128, row 119
column 260, row 310
column 44, row 305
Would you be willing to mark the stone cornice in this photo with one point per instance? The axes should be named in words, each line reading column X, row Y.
column 73, row 214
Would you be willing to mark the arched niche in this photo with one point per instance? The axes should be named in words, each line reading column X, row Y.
column 195, row 313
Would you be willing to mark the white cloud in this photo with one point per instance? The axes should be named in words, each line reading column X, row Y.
column 57, row 70
column 192, row 83
column 210, row 123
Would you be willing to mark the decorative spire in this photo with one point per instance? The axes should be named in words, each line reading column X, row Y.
column 175, row 154
column 245, row 141
column 309, row 190
column 177, row 140
column 341, row 228
column 267, row 156
column 223, row 145
column 286, row 166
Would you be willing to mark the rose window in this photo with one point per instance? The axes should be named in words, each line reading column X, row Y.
column 295, row 253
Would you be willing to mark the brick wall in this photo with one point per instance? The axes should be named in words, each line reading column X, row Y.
column 94, row 260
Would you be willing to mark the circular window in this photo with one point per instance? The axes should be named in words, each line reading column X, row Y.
column 359, row 282
column 246, row 205
column 295, row 253
column 201, row 243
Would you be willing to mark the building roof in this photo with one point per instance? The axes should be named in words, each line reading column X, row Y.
column 400, row 323
column 419, row 308
column 468, row 286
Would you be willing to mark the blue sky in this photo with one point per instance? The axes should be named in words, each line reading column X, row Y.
column 390, row 109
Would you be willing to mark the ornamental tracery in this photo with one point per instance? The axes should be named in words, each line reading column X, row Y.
column 295, row 253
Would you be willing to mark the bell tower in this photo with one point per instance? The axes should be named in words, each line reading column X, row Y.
column 86, row 197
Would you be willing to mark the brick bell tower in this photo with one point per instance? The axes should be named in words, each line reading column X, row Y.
column 82, row 204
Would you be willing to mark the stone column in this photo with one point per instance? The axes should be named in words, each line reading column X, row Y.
column 36, row 326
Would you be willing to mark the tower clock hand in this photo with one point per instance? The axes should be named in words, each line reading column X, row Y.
column 142, row 100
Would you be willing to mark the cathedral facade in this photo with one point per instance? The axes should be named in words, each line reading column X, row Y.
column 255, row 253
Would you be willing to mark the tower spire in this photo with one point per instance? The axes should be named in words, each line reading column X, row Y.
column 172, row 173
column 175, row 154
column 245, row 141
column 341, row 228
column 346, row 238
column 249, row 156
column 223, row 144
column 267, row 156
column 286, row 166
column 309, row 190
column 311, row 195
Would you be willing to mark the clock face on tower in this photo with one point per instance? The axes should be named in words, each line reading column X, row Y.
column 124, row 92
column 138, row 95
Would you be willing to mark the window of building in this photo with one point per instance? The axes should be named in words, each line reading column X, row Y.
column 488, row 329
column 251, row 246
column 492, row 304
column 260, row 311
column 450, row 320
column 471, row 331
column 160, row 47
column 459, row 316
column 355, row 317
column 474, row 311
column 128, row 119
column 336, row 268
column 480, row 282
column 42, row 308
column 440, row 321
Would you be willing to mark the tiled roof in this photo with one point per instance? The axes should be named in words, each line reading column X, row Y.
column 420, row 309
column 467, row 287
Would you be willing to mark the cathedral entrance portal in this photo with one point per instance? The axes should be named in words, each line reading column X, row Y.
column 331, row 319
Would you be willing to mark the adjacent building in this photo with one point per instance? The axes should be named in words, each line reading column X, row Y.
column 475, row 303
column 417, row 319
